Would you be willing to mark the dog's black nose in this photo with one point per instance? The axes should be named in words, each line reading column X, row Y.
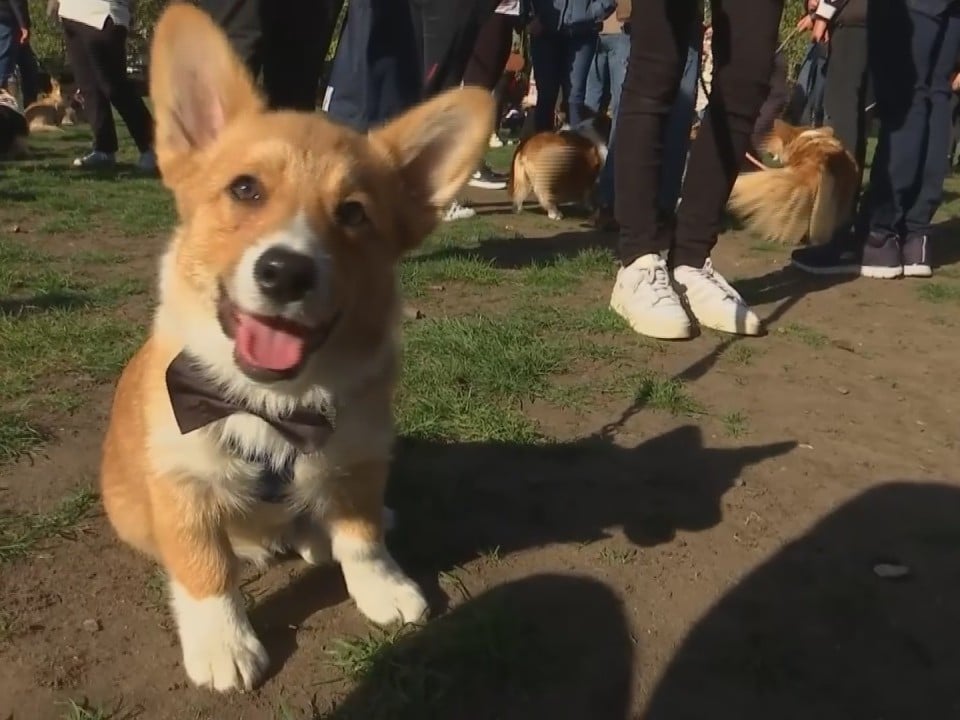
column 284, row 275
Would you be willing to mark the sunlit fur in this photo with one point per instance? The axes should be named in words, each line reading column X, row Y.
column 809, row 198
column 187, row 500
column 48, row 111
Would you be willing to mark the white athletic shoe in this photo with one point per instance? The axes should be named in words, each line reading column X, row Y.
column 714, row 302
column 644, row 297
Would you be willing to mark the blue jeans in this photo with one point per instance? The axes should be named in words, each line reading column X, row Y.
column 561, row 60
column 911, row 53
column 9, row 49
column 609, row 64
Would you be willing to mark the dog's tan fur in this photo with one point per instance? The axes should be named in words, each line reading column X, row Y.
column 188, row 500
column 48, row 111
column 809, row 198
column 557, row 167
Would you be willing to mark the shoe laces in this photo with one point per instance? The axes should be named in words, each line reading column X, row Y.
column 656, row 277
column 717, row 280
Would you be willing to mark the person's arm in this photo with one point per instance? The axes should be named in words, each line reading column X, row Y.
column 603, row 9
column 21, row 11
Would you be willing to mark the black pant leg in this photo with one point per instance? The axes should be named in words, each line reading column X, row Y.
column 79, row 39
column 241, row 21
column 745, row 38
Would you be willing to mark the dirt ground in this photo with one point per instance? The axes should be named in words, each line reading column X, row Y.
column 720, row 562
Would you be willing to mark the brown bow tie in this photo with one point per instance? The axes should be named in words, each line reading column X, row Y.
column 197, row 402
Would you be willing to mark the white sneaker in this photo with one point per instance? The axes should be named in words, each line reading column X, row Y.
column 495, row 141
column 644, row 297
column 714, row 302
column 456, row 211
column 95, row 159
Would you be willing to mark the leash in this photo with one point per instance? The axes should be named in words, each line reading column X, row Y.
column 756, row 162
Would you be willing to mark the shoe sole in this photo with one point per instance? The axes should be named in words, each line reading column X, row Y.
column 488, row 184
column 920, row 271
column 651, row 330
column 881, row 273
column 832, row 270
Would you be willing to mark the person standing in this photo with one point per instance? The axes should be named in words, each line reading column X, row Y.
column 95, row 32
column 652, row 292
column 14, row 34
column 285, row 40
column 563, row 38
column 912, row 49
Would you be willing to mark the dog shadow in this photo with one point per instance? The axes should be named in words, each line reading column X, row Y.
column 814, row 631
column 457, row 500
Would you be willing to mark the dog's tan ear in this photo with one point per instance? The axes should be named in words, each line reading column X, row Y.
column 197, row 85
column 435, row 147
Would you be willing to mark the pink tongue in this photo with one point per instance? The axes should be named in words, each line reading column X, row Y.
column 266, row 347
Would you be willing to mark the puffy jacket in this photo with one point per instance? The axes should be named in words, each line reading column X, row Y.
column 572, row 15
column 15, row 13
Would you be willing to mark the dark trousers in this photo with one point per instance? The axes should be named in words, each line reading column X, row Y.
column 448, row 31
column 561, row 63
column 285, row 40
column 912, row 55
column 99, row 62
column 774, row 104
column 744, row 41
column 490, row 51
column 845, row 95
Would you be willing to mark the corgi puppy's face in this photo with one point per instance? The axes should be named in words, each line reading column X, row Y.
column 290, row 225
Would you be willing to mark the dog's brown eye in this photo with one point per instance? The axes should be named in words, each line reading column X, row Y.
column 246, row 188
column 350, row 213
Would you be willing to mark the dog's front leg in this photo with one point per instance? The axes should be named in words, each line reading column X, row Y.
column 355, row 519
column 220, row 648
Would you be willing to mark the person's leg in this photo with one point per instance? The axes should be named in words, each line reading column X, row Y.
column 108, row 53
column 8, row 50
column 598, row 74
column 617, row 53
column 490, row 52
column 580, row 49
column 773, row 105
column 29, row 74
column 293, row 50
column 547, row 54
column 676, row 140
column 642, row 293
column 450, row 32
column 79, row 40
column 934, row 166
column 845, row 94
column 745, row 37
column 241, row 21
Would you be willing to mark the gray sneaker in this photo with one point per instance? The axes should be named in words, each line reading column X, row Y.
column 916, row 256
column 881, row 257
column 95, row 159
column 147, row 162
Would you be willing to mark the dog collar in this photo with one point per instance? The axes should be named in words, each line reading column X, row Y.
column 198, row 402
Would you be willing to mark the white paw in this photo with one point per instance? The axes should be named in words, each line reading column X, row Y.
column 555, row 215
column 313, row 548
column 220, row 649
column 377, row 584
column 385, row 596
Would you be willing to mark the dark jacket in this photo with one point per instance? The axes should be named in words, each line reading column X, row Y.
column 572, row 15
column 854, row 13
column 15, row 13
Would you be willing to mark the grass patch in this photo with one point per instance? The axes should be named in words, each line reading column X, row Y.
column 467, row 378
column 939, row 292
column 417, row 672
column 667, row 395
column 17, row 437
column 741, row 354
column 806, row 335
column 19, row 534
column 618, row 557
column 734, row 424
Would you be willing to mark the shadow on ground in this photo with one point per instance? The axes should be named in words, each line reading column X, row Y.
column 812, row 632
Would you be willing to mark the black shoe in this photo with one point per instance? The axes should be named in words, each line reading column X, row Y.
column 881, row 257
column 485, row 177
column 915, row 253
column 840, row 256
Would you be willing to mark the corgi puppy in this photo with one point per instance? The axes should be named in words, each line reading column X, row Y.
column 257, row 415
column 809, row 198
column 13, row 127
column 48, row 112
column 559, row 167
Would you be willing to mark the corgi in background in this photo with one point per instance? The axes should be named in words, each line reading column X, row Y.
column 559, row 167
column 48, row 112
column 257, row 416
column 809, row 197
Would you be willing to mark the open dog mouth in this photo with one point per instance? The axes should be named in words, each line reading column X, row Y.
column 270, row 348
